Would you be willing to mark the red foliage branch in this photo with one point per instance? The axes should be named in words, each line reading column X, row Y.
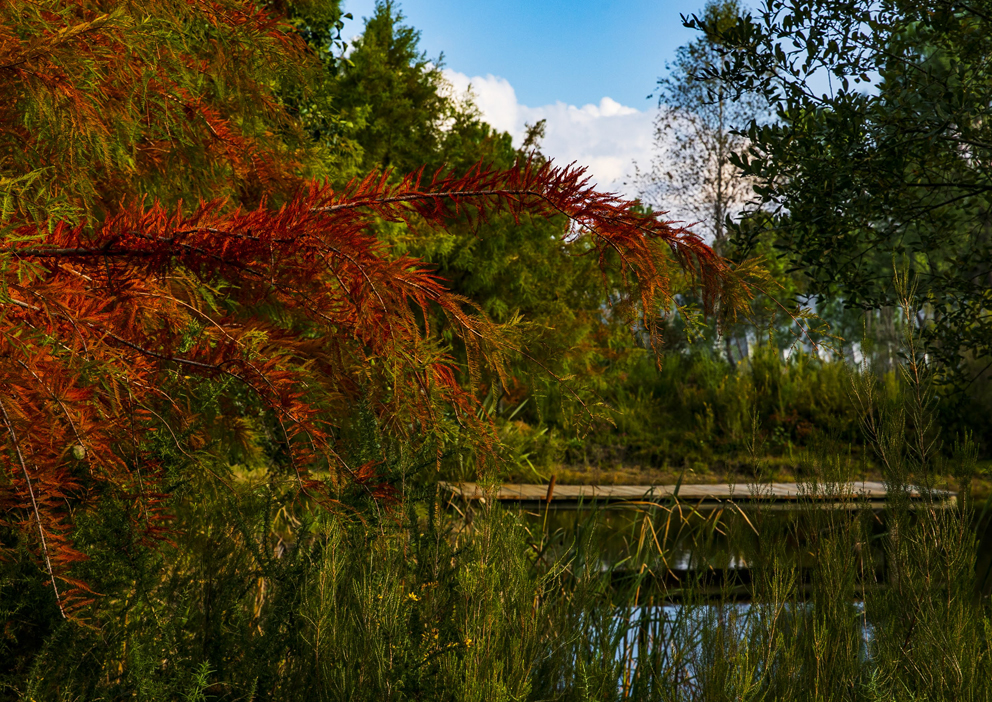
column 110, row 103
column 110, row 313
column 95, row 326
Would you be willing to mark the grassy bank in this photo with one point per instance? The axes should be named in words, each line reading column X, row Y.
column 707, row 420
column 262, row 597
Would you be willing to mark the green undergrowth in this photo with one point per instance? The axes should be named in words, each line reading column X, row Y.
column 706, row 419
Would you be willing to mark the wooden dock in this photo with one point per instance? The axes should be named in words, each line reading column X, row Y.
column 770, row 495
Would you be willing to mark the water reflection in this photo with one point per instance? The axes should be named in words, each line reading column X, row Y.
column 716, row 551
column 699, row 600
column 678, row 636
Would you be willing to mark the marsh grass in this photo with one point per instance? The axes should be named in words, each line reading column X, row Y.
column 839, row 604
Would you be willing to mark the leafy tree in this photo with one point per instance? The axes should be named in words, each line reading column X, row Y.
column 696, row 131
column 880, row 154
column 398, row 101
column 178, row 272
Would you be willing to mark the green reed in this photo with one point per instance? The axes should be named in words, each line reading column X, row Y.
column 839, row 603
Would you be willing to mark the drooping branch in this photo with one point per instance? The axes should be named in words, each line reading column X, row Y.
column 300, row 232
column 119, row 302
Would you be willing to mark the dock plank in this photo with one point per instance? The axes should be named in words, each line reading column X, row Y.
column 871, row 491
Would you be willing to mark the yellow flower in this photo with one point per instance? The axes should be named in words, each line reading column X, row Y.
column 413, row 596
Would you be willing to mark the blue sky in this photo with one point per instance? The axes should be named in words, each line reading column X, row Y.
column 575, row 52
column 585, row 67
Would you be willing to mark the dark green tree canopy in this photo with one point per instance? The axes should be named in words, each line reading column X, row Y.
column 881, row 154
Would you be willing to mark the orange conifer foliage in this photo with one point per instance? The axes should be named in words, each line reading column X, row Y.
column 112, row 300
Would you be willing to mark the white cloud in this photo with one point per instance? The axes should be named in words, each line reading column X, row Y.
column 607, row 138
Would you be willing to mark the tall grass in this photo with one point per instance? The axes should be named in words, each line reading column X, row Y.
column 839, row 604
